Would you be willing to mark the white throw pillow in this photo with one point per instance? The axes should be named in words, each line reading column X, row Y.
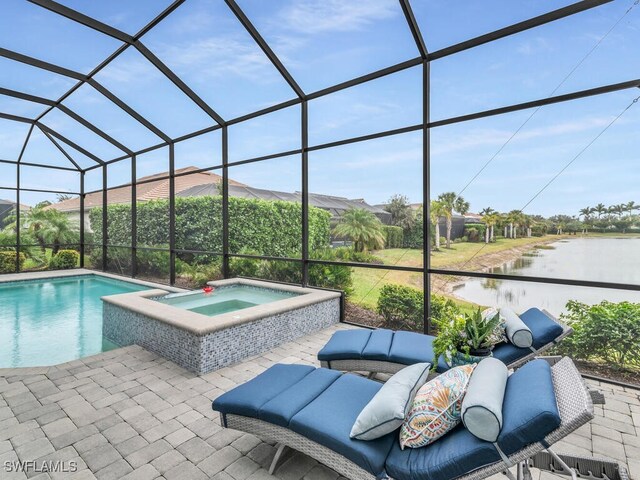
column 387, row 409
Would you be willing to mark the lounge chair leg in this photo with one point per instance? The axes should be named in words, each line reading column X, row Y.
column 510, row 475
column 567, row 469
column 277, row 457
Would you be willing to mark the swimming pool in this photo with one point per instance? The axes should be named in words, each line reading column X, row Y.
column 54, row 320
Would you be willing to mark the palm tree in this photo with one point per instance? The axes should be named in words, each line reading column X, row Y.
column 450, row 203
column 631, row 207
column 515, row 219
column 436, row 211
column 585, row 213
column 490, row 218
column 600, row 209
column 362, row 227
column 487, row 211
column 49, row 227
column 59, row 230
column 527, row 223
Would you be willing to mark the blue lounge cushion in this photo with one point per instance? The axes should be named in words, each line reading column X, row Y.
column 378, row 346
column 410, row 347
column 281, row 408
column 525, row 421
column 247, row 399
column 451, row 456
column 345, row 345
column 543, row 329
column 460, row 452
column 328, row 420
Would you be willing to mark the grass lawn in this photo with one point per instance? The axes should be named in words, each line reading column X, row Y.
column 368, row 282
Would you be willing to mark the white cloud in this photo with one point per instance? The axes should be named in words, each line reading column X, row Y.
column 218, row 57
column 535, row 46
column 487, row 136
column 322, row 16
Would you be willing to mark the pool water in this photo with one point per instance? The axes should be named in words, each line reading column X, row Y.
column 225, row 299
column 54, row 320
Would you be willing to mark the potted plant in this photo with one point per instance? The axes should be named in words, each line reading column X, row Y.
column 467, row 338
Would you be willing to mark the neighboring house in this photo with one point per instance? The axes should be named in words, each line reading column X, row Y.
column 336, row 206
column 7, row 207
column 152, row 187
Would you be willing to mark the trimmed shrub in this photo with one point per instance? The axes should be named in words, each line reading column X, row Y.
column 402, row 306
column 605, row 331
column 8, row 261
column 338, row 277
column 326, row 276
column 475, row 232
column 348, row 254
column 64, row 259
column 393, row 236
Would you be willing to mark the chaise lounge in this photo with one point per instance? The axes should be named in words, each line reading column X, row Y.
column 312, row 410
column 387, row 351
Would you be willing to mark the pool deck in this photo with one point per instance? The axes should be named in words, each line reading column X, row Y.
column 130, row 414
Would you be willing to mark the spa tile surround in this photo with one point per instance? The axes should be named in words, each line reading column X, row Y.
column 202, row 343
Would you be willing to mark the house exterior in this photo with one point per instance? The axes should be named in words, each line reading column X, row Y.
column 7, row 207
column 197, row 184
column 152, row 187
column 336, row 206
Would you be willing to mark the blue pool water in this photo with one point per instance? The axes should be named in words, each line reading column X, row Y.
column 54, row 320
column 225, row 299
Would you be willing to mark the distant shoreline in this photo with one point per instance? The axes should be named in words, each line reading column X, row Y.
column 492, row 260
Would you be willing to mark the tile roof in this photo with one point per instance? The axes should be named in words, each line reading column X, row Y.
column 335, row 205
column 154, row 187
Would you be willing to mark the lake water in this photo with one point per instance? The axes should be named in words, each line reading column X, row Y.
column 595, row 259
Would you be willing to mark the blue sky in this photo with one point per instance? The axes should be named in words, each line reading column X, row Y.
column 323, row 42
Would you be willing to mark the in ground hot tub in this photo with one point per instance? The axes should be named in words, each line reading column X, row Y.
column 225, row 299
column 206, row 331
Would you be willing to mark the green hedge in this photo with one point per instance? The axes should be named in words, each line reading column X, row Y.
column 402, row 306
column 64, row 259
column 475, row 232
column 393, row 236
column 272, row 228
column 8, row 261
column 607, row 331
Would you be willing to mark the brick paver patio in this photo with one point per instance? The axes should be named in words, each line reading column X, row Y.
column 130, row 414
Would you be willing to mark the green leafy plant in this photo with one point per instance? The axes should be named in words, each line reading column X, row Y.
column 271, row 228
column 401, row 306
column 468, row 334
column 8, row 261
column 362, row 227
column 64, row 259
column 393, row 236
column 606, row 331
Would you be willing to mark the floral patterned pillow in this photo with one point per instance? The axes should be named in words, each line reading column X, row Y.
column 436, row 408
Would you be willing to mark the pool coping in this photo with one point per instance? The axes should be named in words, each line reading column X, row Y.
column 198, row 324
column 80, row 272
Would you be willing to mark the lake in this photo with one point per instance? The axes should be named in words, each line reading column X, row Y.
column 594, row 259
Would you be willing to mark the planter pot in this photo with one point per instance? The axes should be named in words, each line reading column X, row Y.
column 460, row 358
